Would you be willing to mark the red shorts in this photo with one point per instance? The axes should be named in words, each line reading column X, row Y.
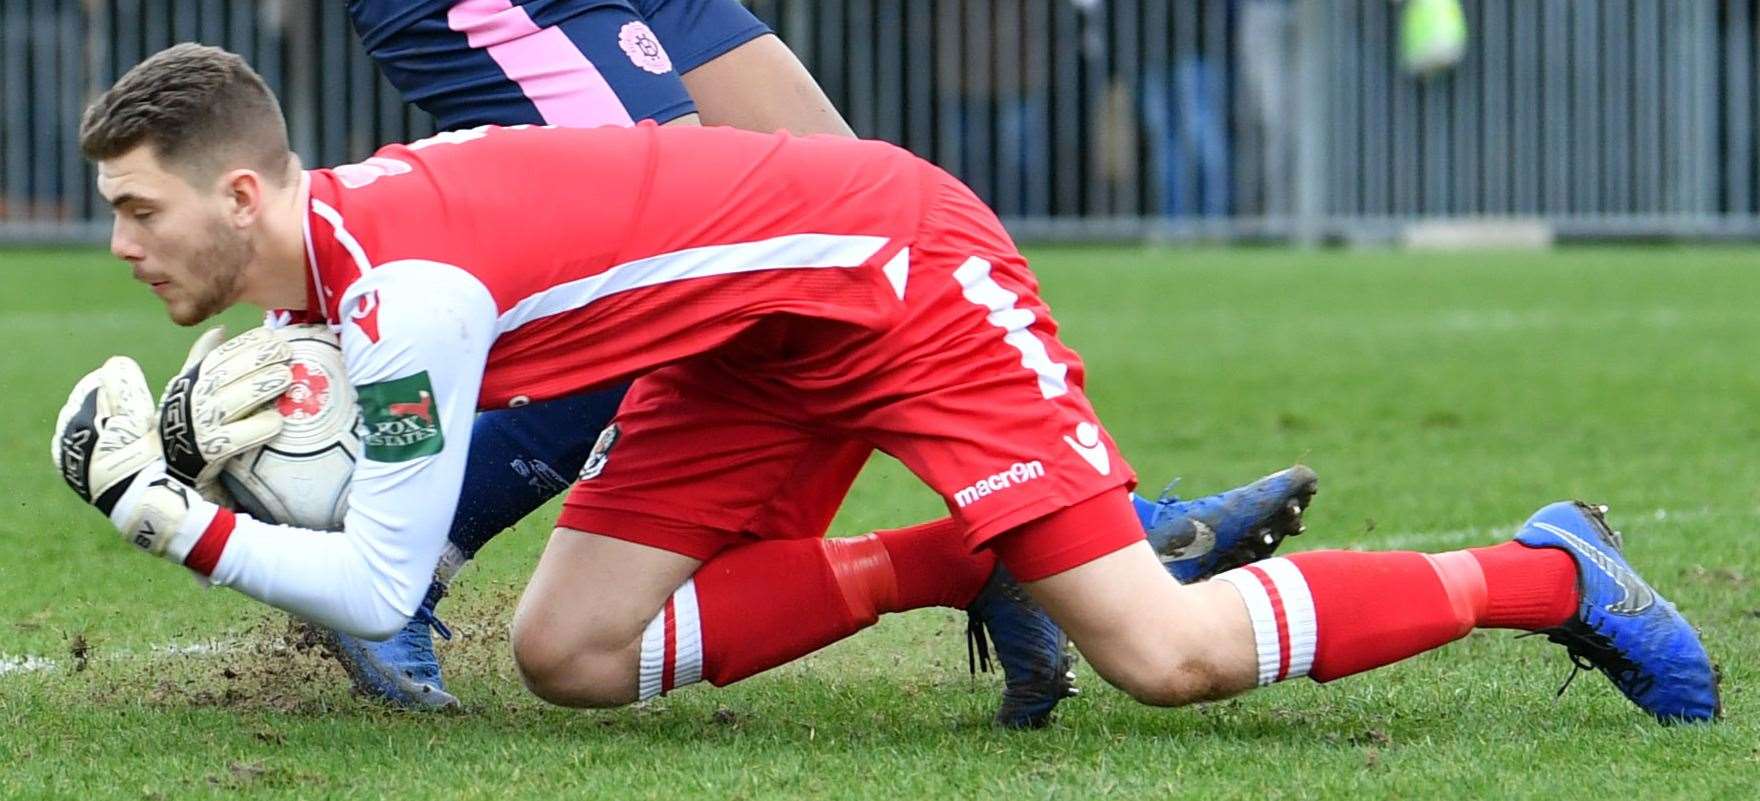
column 971, row 390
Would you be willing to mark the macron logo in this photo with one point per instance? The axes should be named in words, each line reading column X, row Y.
column 1017, row 474
column 1087, row 445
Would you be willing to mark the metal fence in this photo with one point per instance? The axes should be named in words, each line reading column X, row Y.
column 1167, row 119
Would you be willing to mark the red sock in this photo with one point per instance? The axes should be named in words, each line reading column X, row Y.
column 933, row 565
column 1523, row 586
column 767, row 603
column 1331, row 614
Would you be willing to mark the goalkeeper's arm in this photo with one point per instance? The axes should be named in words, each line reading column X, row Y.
column 418, row 381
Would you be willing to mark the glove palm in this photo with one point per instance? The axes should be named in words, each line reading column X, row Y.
column 218, row 406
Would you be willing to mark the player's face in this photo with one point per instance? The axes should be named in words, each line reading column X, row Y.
column 176, row 235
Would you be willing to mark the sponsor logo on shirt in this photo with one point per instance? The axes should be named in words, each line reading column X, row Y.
column 1017, row 474
column 399, row 420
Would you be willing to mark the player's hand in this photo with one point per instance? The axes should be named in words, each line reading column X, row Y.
column 219, row 405
column 104, row 434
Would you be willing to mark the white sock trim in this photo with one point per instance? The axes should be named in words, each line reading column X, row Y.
column 687, row 660
column 672, row 646
column 653, row 656
column 1298, row 609
column 1285, row 630
column 1264, row 622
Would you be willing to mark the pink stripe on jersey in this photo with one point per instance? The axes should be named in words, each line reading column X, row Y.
column 552, row 72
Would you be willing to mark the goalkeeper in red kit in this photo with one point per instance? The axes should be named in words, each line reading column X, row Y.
column 683, row 62
column 784, row 306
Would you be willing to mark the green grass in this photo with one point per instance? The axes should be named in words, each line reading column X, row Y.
column 1442, row 398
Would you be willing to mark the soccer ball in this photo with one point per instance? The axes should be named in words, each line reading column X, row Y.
column 300, row 478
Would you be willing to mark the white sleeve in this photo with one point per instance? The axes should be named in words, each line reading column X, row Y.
column 415, row 350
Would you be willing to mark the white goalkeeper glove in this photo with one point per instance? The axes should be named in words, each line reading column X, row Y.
column 107, row 451
column 104, row 434
column 219, row 405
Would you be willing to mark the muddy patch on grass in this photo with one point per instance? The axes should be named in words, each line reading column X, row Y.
column 284, row 664
column 80, row 651
column 273, row 663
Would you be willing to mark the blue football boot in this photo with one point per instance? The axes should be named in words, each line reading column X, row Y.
column 1200, row 538
column 403, row 670
column 1037, row 663
column 1623, row 627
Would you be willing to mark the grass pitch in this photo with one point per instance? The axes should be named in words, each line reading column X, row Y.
column 1442, row 399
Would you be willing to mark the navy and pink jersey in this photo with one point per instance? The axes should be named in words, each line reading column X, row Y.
column 578, row 63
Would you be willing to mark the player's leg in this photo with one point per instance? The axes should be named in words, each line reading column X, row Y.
column 693, row 470
column 522, row 457
column 749, row 608
column 694, row 476
column 987, row 408
column 1328, row 614
column 1200, row 657
column 577, row 633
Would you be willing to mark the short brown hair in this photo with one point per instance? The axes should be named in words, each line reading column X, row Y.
column 201, row 108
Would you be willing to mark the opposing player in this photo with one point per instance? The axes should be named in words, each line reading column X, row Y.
column 581, row 64
column 785, row 305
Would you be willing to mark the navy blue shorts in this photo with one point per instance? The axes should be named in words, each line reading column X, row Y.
column 575, row 63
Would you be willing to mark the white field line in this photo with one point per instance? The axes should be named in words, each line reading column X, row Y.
column 31, row 663
column 1482, row 535
column 24, row 664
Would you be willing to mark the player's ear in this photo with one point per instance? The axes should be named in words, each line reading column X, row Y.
column 244, row 193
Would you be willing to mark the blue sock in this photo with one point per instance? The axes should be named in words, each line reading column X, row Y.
column 522, row 457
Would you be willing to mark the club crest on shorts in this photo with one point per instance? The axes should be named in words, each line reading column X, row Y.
column 399, row 420
column 601, row 453
column 643, row 48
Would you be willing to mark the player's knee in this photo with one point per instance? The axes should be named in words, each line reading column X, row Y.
column 572, row 676
column 1173, row 682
